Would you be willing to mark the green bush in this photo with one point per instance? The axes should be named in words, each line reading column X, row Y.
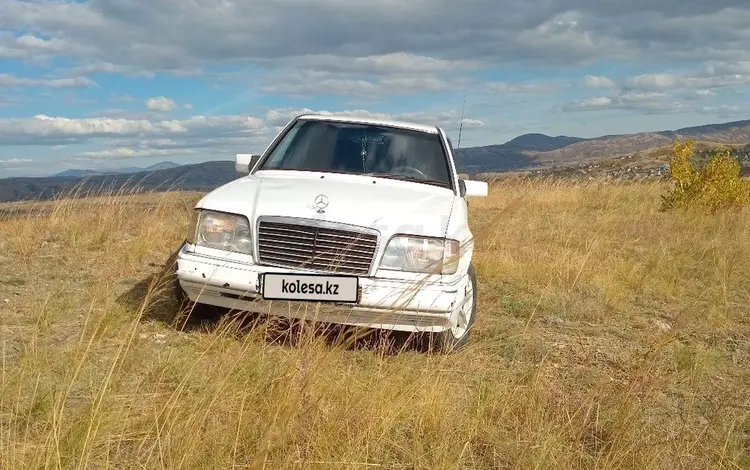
column 714, row 186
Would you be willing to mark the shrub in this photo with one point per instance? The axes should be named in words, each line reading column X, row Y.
column 713, row 186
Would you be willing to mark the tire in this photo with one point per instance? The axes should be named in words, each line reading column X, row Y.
column 446, row 341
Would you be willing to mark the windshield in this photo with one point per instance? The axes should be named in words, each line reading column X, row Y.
column 361, row 149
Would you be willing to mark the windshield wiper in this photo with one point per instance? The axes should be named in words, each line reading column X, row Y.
column 408, row 178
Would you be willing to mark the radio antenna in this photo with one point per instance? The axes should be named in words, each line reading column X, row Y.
column 461, row 125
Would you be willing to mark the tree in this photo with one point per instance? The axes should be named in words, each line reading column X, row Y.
column 714, row 186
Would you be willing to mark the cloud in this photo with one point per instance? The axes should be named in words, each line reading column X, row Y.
column 599, row 102
column 383, row 64
column 124, row 152
column 11, row 81
column 370, row 76
column 592, row 81
column 38, row 50
column 725, row 68
column 152, row 35
column 662, row 92
column 572, row 37
column 715, row 75
column 309, row 84
column 446, row 119
column 641, row 102
column 46, row 130
column 472, row 122
column 16, row 162
column 655, row 81
column 705, row 92
column 726, row 111
column 530, row 88
column 160, row 104
column 101, row 67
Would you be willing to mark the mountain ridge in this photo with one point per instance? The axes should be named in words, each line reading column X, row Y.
column 734, row 132
column 538, row 141
column 79, row 173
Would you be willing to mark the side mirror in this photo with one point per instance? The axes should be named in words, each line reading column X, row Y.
column 470, row 188
column 244, row 162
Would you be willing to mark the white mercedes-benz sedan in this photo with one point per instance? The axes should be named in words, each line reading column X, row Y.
column 344, row 220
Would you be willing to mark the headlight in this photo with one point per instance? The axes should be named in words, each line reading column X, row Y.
column 421, row 255
column 221, row 231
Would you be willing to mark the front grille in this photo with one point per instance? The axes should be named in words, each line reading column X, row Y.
column 315, row 248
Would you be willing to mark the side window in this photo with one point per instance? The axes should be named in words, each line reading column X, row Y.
column 275, row 160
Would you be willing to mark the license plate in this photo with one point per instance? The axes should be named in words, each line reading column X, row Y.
column 310, row 287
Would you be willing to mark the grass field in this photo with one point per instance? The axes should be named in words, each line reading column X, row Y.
column 609, row 335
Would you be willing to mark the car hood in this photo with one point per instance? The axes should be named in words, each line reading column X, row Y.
column 389, row 206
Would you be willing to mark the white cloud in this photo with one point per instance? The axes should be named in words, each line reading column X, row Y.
column 598, row 102
column 593, row 81
column 102, row 67
column 635, row 97
column 640, row 102
column 719, row 75
column 472, row 122
column 530, row 88
column 16, row 162
column 35, row 49
column 569, row 36
column 655, row 81
column 383, row 64
column 445, row 119
column 11, row 81
column 37, row 44
column 660, row 93
column 224, row 135
column 713, row 69
column 726, row 111
column 160, row 104
column 309, row 82
column 46, row 130
column 124, row 152
column 705, row 92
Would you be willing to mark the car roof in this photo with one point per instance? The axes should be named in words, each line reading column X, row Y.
column 369, row 120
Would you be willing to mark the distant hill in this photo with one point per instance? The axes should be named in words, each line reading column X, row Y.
column 196, row 177
column 526, row 152
column 539, row 150
column 75, row 173
column 541, row 142
column 737, row 132
column 515, row 154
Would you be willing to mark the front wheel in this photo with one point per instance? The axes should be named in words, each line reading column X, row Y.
column 458, row 334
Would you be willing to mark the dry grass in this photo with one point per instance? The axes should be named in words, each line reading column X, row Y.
column 609, row 336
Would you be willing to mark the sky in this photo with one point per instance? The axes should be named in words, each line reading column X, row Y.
column 106, row 84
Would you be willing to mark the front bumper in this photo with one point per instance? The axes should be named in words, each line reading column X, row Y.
column 411, row 306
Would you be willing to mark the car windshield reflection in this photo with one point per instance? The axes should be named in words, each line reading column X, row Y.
column 362, row 149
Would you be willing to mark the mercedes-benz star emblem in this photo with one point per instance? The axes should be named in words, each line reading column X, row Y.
column 321, row 202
